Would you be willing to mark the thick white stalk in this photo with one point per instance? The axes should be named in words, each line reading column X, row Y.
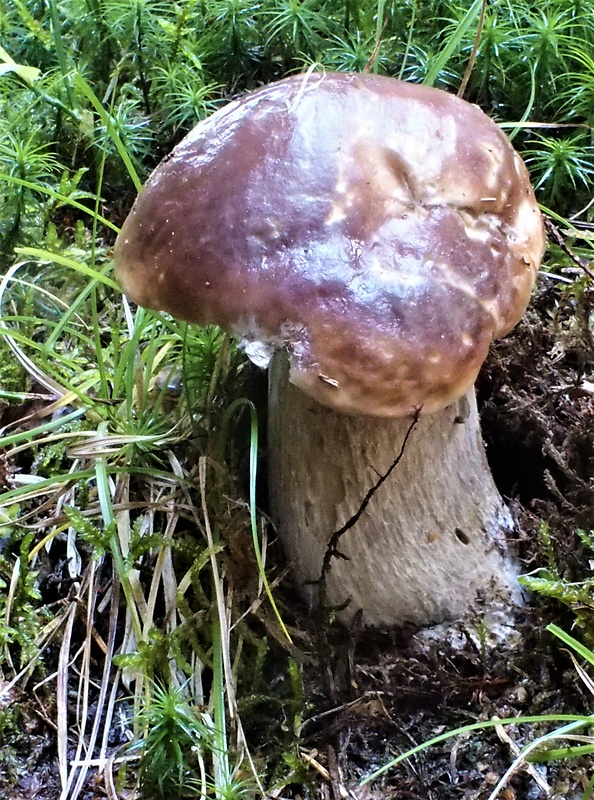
column 430, row 545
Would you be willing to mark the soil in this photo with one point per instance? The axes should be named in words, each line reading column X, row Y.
column 372, row 696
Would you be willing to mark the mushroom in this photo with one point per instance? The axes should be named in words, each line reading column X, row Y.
column 377, row 236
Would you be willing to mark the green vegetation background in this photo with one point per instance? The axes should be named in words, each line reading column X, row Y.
column 127, row 440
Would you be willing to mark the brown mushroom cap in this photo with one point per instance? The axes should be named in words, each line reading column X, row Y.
column 382, row 232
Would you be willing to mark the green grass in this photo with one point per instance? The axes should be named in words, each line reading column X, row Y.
column 128, row 432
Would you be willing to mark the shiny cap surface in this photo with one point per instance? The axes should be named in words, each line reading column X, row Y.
column 381, row 232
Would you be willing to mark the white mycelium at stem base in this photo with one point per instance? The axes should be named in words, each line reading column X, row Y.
column 380, row 234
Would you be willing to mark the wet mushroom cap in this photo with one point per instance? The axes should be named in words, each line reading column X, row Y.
column 381, row 232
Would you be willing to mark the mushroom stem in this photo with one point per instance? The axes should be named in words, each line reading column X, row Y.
column 430, row 545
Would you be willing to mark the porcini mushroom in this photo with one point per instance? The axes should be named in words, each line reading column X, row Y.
column 378, row 235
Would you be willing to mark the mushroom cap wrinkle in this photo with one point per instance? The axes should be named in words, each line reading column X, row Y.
column 381, row 232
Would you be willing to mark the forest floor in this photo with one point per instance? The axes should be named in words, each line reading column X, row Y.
column 371, row 696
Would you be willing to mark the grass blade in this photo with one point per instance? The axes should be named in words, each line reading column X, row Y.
column 453, row 44
column 579, row 648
